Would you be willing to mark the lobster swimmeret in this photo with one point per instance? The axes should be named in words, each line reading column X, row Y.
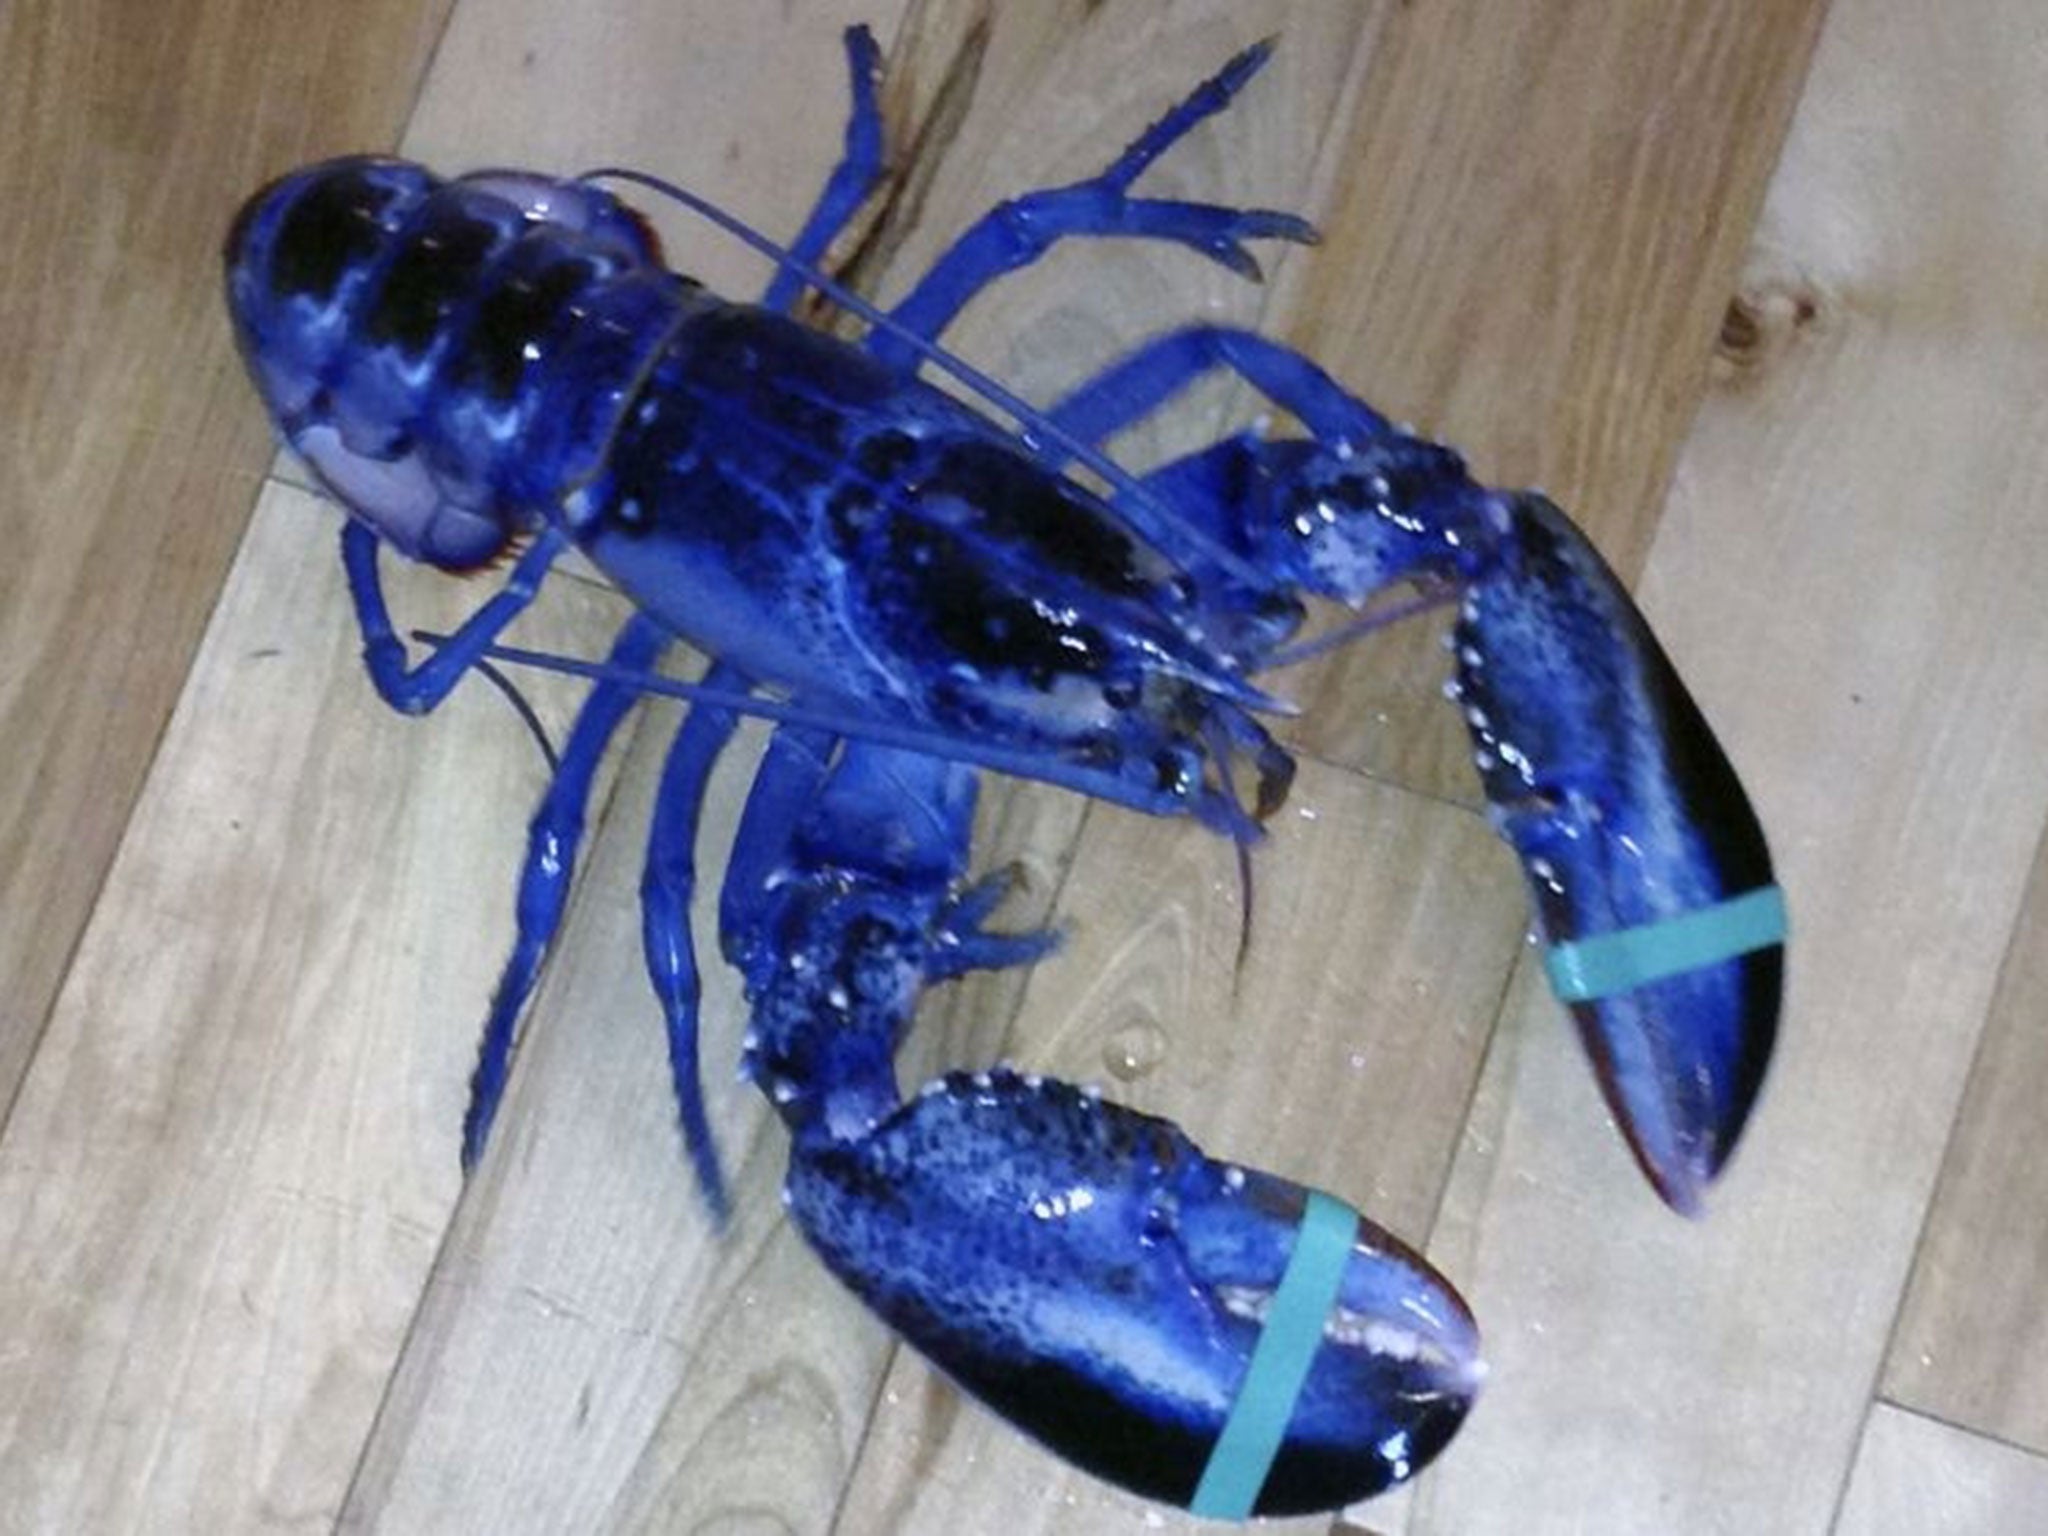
column 916, row 590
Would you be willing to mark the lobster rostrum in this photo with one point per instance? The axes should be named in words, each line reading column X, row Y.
column 915, row 592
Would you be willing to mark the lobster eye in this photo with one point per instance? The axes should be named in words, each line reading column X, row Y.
column 1176, row 771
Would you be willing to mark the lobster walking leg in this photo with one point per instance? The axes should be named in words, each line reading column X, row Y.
column 416, row 690
column 669, row 879
column 666, row 886
column 786, row 783
column 1143, row 380
column 851, row 180
column 1019, row 231
column 544, row 879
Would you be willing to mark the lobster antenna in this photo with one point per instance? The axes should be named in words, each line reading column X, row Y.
column 938, row 743
column 1244, row 831
column 1141, row 508
column 521, row 707
column 1244, row 927
column 1434, row 594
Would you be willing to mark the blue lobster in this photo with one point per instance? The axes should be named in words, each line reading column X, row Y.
column 915, row 592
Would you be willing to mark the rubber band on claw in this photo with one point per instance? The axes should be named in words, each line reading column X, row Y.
column 1609, row 964
column 1257, row 1424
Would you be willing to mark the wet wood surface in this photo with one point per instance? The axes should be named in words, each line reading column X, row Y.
column 1737, row 283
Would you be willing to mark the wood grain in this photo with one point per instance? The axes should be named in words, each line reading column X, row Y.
column 1972, row 1343
column 128, row 457
column 1854, row 645
column 1919, row 1477
column 226, row 1175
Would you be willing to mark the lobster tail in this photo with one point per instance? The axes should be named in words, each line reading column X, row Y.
column 450, row 357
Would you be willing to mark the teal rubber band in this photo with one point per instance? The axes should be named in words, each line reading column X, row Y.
column 1257, row 1423
column 1608, row 964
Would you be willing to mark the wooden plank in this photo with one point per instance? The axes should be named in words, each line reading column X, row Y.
column 1971, row 1345
column 130, row 456
column 228, row 1170
column 581, row 1281
column 1847, row 572
column 1917, row 1476
column 696, row 93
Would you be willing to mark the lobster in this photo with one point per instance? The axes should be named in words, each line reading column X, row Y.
column 914, row 592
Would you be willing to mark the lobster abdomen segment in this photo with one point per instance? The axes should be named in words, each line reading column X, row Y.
column 451, row 356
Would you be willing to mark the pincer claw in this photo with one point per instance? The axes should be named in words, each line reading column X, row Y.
column 1090, row 1275
column 1226, row 244
column 1652, row 881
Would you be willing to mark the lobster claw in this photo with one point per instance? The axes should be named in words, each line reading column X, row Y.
column 1651, row 877
column 1090, row 1275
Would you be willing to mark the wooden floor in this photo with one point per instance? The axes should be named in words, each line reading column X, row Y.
column 1760, row 292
